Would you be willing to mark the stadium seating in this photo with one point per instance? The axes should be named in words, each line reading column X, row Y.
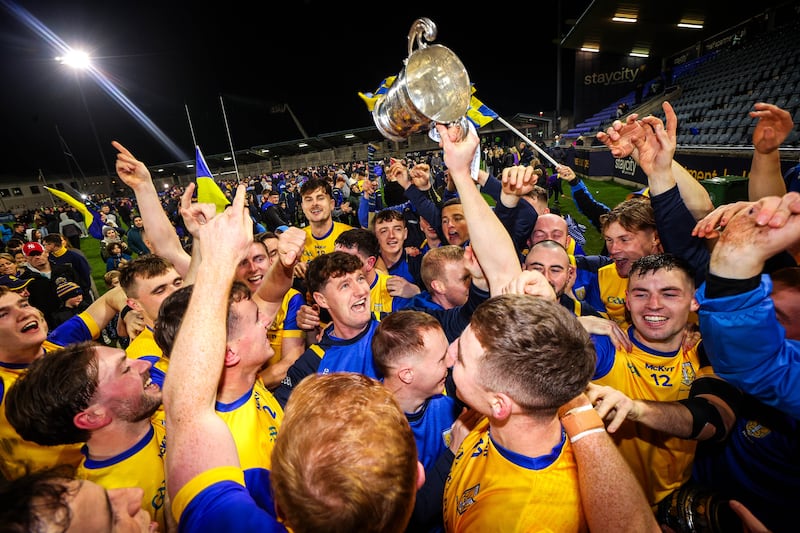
column 715, row 92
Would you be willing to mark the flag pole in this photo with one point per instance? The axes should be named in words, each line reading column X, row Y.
column 524, row 138
column 191, row 128
column 230, row 141
column 44, row 182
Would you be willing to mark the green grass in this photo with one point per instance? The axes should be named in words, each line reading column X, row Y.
column 608, row 192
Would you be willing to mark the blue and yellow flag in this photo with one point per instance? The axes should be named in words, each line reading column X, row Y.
column 371, row 98
column 478, row 113
column 207, row 189
column 92, row 219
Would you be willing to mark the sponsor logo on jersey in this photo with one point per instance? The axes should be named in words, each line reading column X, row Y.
column 688, row 373
column 468, row 498
column 755, row 430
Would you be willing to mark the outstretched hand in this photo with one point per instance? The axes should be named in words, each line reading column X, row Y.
column 773, row 127
column 195, row 214
column 290, row 246
column 129, row 169
column 620, row 135
column 771, row 225
column 458, row 154
column 518, row 180
column 709, row 227
column 657, row 147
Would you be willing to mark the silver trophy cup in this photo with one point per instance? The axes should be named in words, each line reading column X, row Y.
column 432, row 87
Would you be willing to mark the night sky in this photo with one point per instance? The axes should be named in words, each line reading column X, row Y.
column 164, row 57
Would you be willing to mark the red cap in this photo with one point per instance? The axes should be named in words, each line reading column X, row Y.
column 29, row 247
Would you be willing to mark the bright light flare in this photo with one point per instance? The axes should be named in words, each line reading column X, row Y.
column 76, row 59
column 64, row 51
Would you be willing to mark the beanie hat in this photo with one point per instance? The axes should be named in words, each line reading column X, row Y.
column 68, row 289
column 14, row 283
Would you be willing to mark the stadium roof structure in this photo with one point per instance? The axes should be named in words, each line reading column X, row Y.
column 655, row 29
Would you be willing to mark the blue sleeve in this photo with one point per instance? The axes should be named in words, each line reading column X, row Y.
column 363, row 212
column 523, row 227
column 398, row 303
column 508, row 217
column 295, row 302
column 155, row 374
column 748, row 347
column 493, row 188
column 606, row 352
column 587, row 205
column 84, row 271
column 675, row 224
column 586, row 277
column 426, row 208
column 73, row 330
column 306, row 364
column 455, row 320
column 217, row 507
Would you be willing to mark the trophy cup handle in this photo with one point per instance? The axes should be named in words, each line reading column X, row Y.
column 422, row 28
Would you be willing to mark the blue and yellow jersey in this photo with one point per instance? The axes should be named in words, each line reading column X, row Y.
column 17, row 455
column 144, row 347
column 316, row 247
column 347, row 355
column 612, row 289
column 573, row 248
column 379, row 295
column 285, row 323
column 491, row 488
column 432, row 427
column 216, row 499
column 660, row 462
column 254, row 420
column 141, row 466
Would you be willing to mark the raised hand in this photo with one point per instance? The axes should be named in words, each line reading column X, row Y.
column 474, row 268
column 290, row 246
column 129, row 169
column 620, row 135
column 710, row 226
column 398, row 171
column 420, row 175
column 773, row 127
column 565, row 172
column 657, row 148
column 227, row 236
column 308, row 317
column 518, row 180
column 769, row 226
column 195, row 214
column 458, row 154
